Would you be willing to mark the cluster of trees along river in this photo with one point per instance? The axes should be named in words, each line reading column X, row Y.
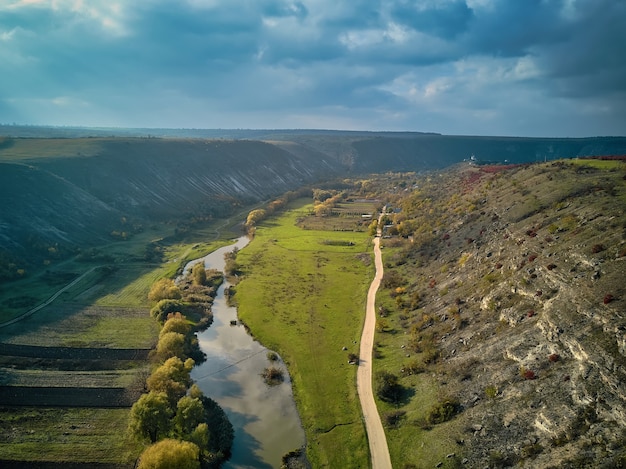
column 247, row 422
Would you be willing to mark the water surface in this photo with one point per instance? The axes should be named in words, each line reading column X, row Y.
column 264, row 417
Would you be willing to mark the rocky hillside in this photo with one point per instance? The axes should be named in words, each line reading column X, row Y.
column 504, row 287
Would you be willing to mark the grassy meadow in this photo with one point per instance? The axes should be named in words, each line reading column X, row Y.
column 303, row 294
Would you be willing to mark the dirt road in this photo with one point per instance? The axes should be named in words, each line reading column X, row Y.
column 375, row 432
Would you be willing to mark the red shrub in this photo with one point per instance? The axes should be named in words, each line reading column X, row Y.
column 498, row 265
column 596, row 248
column 432, row 283
column 608, row 298
column 551, row 266
column 554, row 357
column 538, row 293
column 531, row 313
column 529, row 374
column 532, row 257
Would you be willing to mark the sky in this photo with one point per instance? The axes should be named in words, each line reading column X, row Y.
column 544, row 68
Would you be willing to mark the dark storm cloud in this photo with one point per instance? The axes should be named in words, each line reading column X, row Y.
column 454, row 66
column 445, row 19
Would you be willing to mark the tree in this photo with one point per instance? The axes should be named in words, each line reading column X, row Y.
column 164, row 288
column 255, row 216
column 201, row 436
column 170, row 454
column 171, row 378
column 198, row 273
column 150, row 416
column 164, row 307
column 189, row 414
column 177, row 323
column 172, row 344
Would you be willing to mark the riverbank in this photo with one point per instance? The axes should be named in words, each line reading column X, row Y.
column 303, row 295
column 264, row 418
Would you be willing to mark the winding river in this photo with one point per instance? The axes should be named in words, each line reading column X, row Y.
column 264, row 418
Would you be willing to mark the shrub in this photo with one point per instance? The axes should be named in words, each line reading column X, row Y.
column 527, row 373
column 491, row 392
column 273, row 376
column 608, row 298
column 414, row 367
column 443, row 411
column 388, row 386
column 596, row 248
column 554, row 357
column 272, row 356
column 392, row 419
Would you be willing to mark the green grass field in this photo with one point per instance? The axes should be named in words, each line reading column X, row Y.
column 66, row 434
column 304, row 297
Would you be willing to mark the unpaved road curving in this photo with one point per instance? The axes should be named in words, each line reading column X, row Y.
column 373, row 425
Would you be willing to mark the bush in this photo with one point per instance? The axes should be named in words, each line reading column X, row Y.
column 443, row 411
column 554, row 357
column 491, row 392
column 388, row 386
column 596, row 248
column 273, row 376
column 527, row 373
column 392, row 419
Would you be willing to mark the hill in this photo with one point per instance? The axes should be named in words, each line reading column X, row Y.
column 502, row 315
column 66, row 194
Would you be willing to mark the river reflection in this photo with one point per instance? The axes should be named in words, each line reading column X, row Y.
column 265, row 419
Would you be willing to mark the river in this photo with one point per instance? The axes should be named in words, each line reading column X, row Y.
column 265, row 419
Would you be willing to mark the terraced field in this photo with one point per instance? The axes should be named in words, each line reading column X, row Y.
column 70, row 372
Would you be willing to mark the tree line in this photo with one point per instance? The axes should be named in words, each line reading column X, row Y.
column 181, row 427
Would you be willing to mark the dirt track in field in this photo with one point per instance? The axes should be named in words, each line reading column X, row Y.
column 375, row 433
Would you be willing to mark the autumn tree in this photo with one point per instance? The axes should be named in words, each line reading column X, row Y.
column 198, row 274
column 176, row 323
column 255, row 216
column 163, row 289
column 170, row 454
column 171, row 344
column 150, row 416
column 171, row 378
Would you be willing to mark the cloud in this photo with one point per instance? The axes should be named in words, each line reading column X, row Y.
column 453, row 66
